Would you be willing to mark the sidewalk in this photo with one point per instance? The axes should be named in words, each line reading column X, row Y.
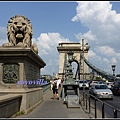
column 50, row 108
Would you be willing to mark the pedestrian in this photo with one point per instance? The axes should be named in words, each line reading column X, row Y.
column 55, row 89
column 51, row 84
column 62, row 80
column 59, row 83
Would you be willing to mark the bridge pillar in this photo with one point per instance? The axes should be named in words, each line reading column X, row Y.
column 63, row 48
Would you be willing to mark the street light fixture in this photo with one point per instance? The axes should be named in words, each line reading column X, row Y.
column 70, row 56
column 113, row 69
column 70, row 60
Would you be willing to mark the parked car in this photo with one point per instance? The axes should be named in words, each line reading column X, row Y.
column 116, row 88
column 100, row 91
column 86, row 85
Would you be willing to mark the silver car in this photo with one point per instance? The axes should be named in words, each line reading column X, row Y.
column 83, row 82
column 101, row 91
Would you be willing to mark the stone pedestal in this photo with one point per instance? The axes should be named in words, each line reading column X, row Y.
column 19, row 71
column 19, row 65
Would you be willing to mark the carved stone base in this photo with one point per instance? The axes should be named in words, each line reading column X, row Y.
column 19, row 67
column 31, row 98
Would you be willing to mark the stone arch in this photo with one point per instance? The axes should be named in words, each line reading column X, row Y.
column 77, row 74
column 63, row 48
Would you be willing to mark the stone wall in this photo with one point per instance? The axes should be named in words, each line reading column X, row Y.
column 9, row 105
column 19, row 100
column 28, row 63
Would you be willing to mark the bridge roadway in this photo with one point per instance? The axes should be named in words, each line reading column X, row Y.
column 50, row 108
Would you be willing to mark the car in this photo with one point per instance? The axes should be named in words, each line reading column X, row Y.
column 92, row 82
column 100, row 91
column 116, row 88
column 109, row 84
column 101, row 82
column 77, row 81
column 83, row 82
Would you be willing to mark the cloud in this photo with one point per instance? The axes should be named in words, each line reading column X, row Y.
column 103, row 26
column 48, row 42
column 93, row 56
column 106, row 50
column 101, row 20
column 47, row 45
column 87, row 35
column 3, row 35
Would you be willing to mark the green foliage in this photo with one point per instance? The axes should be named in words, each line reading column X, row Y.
column 98, row 78
column 19, row 113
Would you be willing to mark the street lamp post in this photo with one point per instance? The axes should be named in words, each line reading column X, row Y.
column 113, row 69
column 70, row 90
column 70, row 60
column 83, row 71
column 92, row 75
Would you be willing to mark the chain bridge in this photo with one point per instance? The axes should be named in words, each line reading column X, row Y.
column 80, row 56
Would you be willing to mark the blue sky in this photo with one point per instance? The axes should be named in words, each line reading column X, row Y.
column 54, row 22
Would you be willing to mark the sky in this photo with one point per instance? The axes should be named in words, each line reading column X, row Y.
column 54, row 22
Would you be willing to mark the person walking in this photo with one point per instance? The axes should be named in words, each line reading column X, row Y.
column 55, row 88
column 51, row 84
column 59, row 83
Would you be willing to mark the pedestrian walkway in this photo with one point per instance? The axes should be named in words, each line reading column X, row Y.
column 51, row 108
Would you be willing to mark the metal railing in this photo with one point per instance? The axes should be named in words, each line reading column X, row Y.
column 99, row 111
column 45, row 87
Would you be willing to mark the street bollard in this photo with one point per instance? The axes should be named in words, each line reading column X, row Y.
column 86, row 101
column 95, row 109
column 89, row 104
column 115, row 113
column 103, row 115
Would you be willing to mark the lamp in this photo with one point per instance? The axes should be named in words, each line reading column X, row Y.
column 70, row 56
column 70, row 72
column 113, row 69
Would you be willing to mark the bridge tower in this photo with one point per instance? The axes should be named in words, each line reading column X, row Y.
column 76, row 48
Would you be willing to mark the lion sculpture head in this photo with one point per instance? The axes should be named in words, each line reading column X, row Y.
column 19, row 31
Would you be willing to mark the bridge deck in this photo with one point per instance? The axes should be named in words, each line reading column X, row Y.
column 50, row 108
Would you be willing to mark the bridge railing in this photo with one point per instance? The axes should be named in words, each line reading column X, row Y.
column 99, row 109
column 45, row 87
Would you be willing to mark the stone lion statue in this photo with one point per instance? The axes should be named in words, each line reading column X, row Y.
column 19, row 31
